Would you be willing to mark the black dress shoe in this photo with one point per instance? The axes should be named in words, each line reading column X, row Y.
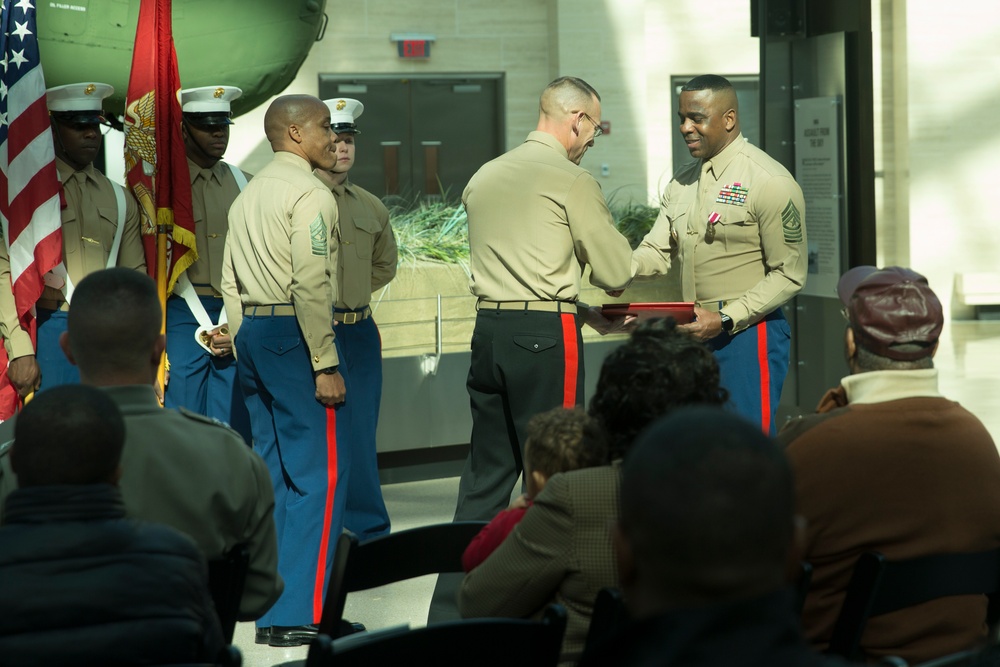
column 262, row 636
column 295, row 635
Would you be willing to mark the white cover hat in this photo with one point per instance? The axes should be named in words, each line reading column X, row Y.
column 343, row 112
column 209, row 99
column 78, row 97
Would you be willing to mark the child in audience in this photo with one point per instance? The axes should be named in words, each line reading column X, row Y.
column 559, row 440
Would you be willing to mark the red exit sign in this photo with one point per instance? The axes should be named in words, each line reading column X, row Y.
column 414, row 48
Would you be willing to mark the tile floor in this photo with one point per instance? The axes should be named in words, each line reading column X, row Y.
column 969, row 361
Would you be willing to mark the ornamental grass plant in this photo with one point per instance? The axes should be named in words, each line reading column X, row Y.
column 436, row 229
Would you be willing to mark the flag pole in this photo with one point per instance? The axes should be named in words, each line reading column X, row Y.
column 164, row 227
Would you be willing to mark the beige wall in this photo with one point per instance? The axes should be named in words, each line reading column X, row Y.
column 936, row 86
column 470, row 36
column 627, row 49
column 936, row 73
column 953, row 75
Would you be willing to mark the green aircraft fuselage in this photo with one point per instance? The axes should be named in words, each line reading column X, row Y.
column 257, row 45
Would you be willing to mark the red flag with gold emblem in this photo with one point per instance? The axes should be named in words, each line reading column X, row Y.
column 155, row 162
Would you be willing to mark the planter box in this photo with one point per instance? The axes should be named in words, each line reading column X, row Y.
column 407, row 309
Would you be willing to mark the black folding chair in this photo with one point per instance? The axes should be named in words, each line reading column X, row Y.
column 987, row 656
column 484, row 642
column 226, row 578
column 608, row 618
column 802, row 585
column 358, row 566
column 229, row 657
column 879, row 586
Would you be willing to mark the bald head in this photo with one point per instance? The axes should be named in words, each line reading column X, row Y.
column 286, row 111
column 300, row 124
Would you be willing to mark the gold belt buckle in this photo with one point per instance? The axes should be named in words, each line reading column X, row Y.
column 350, row 318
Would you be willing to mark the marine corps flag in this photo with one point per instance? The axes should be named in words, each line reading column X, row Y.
column 155, row 162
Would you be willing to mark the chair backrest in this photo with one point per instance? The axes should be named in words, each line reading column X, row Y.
column 802, row 582
column 879, row 586
column 229, row 657
column 226, row 579
column 485, row 642
column 609, row 616
column 960, row 659
column 358, row 566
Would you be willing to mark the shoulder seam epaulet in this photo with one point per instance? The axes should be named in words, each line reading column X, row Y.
column 190, row 414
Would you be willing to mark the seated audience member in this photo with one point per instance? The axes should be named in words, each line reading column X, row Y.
column 889, row 464
column 703, row 544
column 7, row 480
column 80, row 584
column 179, row 468
column 561, row 550
column 559, row 440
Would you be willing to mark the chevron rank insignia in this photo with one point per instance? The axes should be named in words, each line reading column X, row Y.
column 317, row 236
column 791, row 223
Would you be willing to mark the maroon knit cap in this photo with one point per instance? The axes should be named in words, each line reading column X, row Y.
column 893, row 311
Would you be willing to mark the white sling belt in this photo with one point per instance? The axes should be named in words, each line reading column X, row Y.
column 184, row 289
column 60, row 269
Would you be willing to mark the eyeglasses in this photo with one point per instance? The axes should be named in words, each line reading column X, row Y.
column 598, row 130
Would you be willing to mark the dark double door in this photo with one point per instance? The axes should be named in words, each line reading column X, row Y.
column 422, row 135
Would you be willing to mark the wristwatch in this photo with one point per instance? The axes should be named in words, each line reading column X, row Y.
column 329, row 370
column 727, row 322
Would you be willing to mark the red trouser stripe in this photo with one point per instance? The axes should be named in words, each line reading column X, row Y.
column 572, row 359
column 765, row 377
column 331, row 489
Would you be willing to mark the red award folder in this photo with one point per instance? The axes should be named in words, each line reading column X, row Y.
column 682, row 312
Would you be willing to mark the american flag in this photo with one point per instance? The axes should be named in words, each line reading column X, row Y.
column 29, row 184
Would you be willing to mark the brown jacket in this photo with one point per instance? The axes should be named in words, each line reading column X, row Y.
column 910, row 476
column 560, row 552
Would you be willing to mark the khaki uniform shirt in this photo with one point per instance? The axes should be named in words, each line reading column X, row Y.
column 535, row 220
column 89, row 223
column 212, row 193
column 197, row 475
column 367, row 260
column 282, row 248
column 757, row 260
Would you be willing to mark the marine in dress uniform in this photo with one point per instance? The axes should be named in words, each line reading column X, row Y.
column 279, row 281
column 202, row 368
column 536, row 218
column 366, row 263
column 735, row 221
column 100, row 229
